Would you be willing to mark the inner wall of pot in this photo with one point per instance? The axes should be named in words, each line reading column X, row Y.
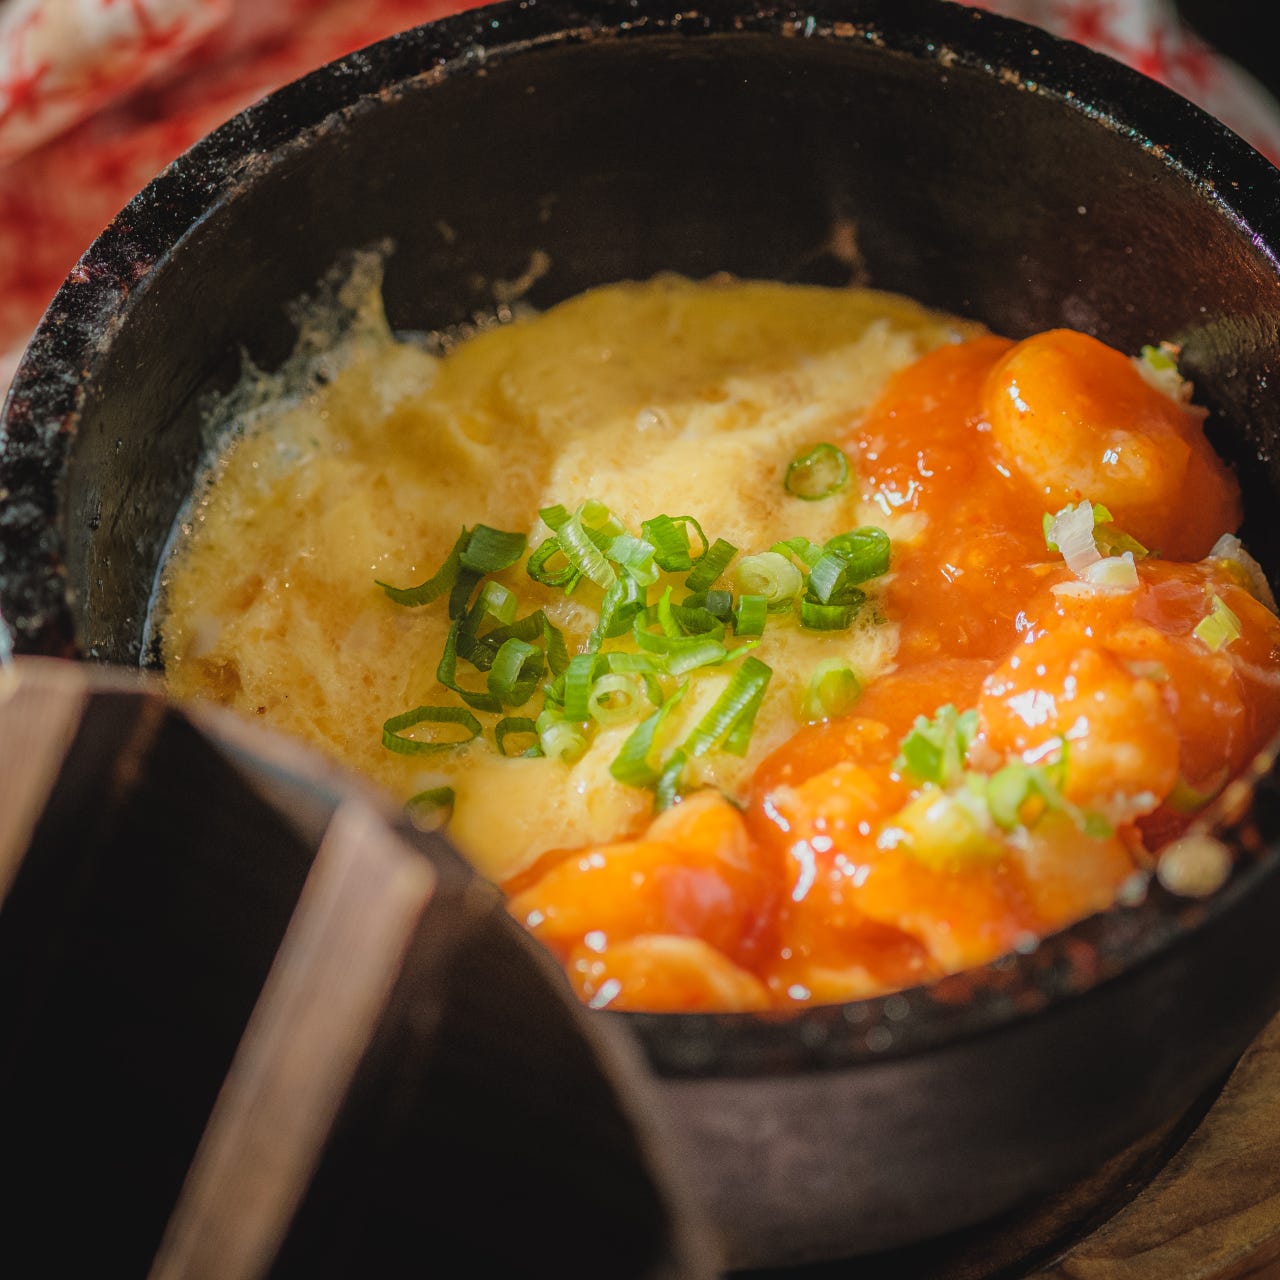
column 821, row 161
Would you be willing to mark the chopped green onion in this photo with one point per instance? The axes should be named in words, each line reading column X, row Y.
column 1219, row 627
column 627, row 663
column 447, row 674
column 833, row 690
column 697, row 621
column 463, row 588
column 713, row 562
column 672, row 639
column 554, row 697
column 614, row 699
column 866, row 549
column 632, row 764
column 934, row 750
column 565, row 575
column 830, row 583
column 738, row 739
column 563, row 741
column 394, row 730
column 740, row 696
column 1186, row 799
column 681, row 653
column 667, row 789
column 593, row 512
column 636, row 556
column 1114, row 542
column 666, row 618
column 516, row 671
column 554, row 517
column 770, row 575
column 717, row 603
column 618, row 609
column 489, row 550
column 698, row 653
column 820, row 473
column 430, row 809
column 582, row 552
column 809, row 553
column 670, row 539
column 826, row 617
column 1093, row 825
column 553, row 643
column 753, row 611
column 1107, row 539
column 516, row 726
column 641, row 664
column 1008, row 790
column 532, row 627
column 497, row 601
column 578, row 681
column 1159, row 368
column 436, row 585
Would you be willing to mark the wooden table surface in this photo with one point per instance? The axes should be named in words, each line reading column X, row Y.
column 1196, row 1200
column 1213, row 1211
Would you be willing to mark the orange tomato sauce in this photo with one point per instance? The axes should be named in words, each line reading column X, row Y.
column 844, row 875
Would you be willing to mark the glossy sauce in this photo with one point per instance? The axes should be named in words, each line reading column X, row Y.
column 843, row 876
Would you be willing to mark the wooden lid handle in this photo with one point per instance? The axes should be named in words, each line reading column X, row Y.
column 259, row 1026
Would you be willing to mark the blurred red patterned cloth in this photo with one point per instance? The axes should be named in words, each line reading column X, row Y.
column 97, row 96
column 1151, row 38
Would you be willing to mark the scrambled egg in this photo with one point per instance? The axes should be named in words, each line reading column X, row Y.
column 661, row 397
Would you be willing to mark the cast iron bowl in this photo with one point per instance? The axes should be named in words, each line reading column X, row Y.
column 924, row 147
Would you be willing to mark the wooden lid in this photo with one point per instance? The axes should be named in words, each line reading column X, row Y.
column 257, row 1025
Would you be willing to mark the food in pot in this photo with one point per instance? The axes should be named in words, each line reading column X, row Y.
column 770, row 645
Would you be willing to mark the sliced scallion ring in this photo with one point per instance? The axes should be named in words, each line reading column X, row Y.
column 697, row 621
column 753, row 612
column 667, row 789
column 618, row 609
column 563, row 741
column 464, row 586
column 697, row 653
column 517, row 669
column 820, row 473
column 833, row 690
column 488, row 550
column 1219, row 627
column 518, row 727
column 395, row 729
column 633, row 765
column 579, row 677
column 436, row 585
column 581, row 551
column 614, row 699
column 717, row 603
column 447, row 674
column 498, row 602
column 541, row 569
column 808, row 553
column 553, row 517
column 741, row 695
column 669, row 537
column 826, row 617
column 711, row 565
column 866, row 550
column 830, row 581
column 770, row 575
column 430, row 809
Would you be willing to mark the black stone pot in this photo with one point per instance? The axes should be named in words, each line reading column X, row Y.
column 974, row 163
